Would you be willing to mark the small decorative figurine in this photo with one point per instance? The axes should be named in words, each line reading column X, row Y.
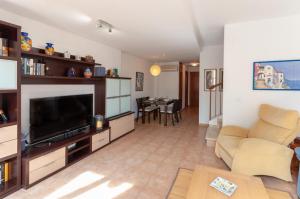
column 26, row 42
column 4, row 47
column 3, row 116
column 77, row 57
column 71, row 72
column 89, row 58
column 109, row 73
column 87, row 73
column 67, row 55
column 115, row 72
column 49, row 49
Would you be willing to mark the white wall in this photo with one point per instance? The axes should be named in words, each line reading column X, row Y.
column 109, row 57
column 211, row 57
column 132, row 64
column 167, row 83
column 245, row 43
column 41, row 33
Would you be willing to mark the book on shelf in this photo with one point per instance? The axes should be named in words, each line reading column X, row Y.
column 6, row 170
column 32, row 67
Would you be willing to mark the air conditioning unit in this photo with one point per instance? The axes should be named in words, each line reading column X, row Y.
column 169, row 68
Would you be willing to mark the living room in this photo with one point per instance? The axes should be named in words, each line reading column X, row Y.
column 107, row 99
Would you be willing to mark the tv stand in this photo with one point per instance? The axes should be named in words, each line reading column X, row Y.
column 63, row 136
column 43, row 160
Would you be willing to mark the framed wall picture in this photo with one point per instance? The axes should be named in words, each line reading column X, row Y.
column 221, row 76
column 139, row 81
column 276, row 75
column 210, row 78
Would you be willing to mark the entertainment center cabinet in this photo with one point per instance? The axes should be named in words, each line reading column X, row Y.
column 38, row 163
column 112, row 98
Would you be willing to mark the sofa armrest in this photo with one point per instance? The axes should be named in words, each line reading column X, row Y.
column 261, row 157
column 235, row 131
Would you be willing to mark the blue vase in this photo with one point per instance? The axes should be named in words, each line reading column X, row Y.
column 49, row 49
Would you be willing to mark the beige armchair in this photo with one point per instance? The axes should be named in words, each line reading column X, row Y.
column 262, row 149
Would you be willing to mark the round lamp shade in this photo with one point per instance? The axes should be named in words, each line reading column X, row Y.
column 155, row 70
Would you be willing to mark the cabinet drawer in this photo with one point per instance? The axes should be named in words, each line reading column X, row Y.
column 45, row 160
column 8, row 148
column 121, row 126
column 47, row 169
column 99, row 140
column 8, row 133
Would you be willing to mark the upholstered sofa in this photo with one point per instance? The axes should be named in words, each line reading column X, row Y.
column 262, row 149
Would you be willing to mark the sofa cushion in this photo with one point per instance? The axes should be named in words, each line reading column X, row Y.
column 262, row 157
column 275, row 194
column 229, row 144
column 279, row 117
column 267, row 131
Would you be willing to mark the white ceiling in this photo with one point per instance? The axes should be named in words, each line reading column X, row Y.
column 158, row 30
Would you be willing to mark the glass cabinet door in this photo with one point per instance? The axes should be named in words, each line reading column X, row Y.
column 125, row 104
column 125, row 87
column 112, row 87
column 112, row 107
column 8, row 74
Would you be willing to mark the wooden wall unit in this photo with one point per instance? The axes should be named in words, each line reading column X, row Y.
column 38, row 163
column 121, row 125
column 41, row 162
column 10, row 150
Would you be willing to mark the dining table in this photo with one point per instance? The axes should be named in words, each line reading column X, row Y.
column 158, row 102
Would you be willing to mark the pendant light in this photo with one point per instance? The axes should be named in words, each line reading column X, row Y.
column 155, row 70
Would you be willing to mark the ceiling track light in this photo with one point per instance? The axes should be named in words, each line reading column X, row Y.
column 104, row 25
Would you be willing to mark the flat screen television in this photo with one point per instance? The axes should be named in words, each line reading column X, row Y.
column 53, row 116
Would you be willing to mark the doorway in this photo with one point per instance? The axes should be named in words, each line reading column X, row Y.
column 194, row 89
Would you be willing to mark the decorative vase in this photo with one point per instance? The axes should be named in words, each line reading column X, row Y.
column 87, row 73
column 26, row 42
column 115, row 72
column 49, row 49
column 71, row 72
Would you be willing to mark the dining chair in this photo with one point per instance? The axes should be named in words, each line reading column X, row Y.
column 139, row 103
column 172, row 111
column 179, row 108
column 146, row 109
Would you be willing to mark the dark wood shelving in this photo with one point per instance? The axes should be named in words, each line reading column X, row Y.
column 78, row 155
column 55, row 57
column 35, row 79
column 9, row 123
column 9, row 186
column 9, row 158
column 9, row 58
column 10, row 103
column 78, row 149
column 8, row 91
column 59, row 77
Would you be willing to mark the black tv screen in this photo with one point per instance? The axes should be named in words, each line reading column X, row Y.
column 52, row 116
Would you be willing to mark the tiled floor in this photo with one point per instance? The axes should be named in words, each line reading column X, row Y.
column 141, row 165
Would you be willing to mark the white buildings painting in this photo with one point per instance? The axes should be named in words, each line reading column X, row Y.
column 267, row 76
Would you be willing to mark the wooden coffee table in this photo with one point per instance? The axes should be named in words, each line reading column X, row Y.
column 248, row 187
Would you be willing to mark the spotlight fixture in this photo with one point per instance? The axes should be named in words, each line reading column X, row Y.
column 101, row 24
